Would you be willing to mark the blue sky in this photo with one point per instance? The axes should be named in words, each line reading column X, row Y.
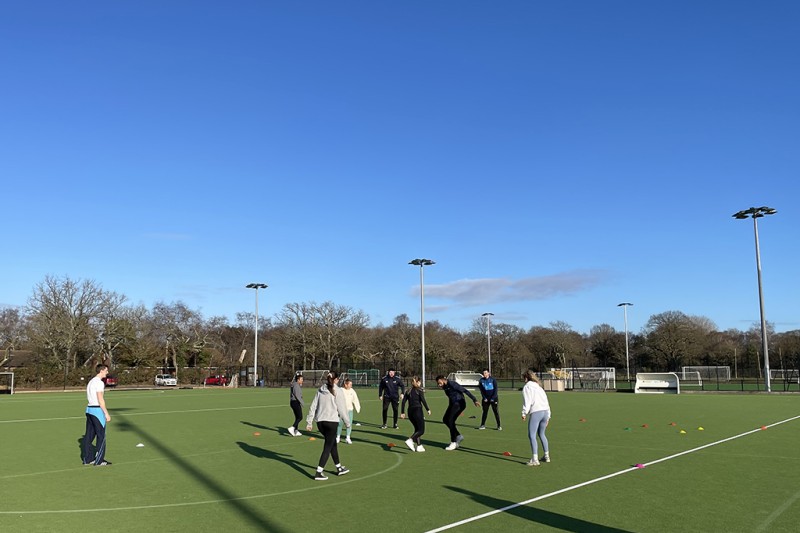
column 554, row 158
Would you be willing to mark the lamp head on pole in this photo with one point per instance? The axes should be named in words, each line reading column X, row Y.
column 755, row 212
column 256, row 286
column 623, row 304
column 422, row 262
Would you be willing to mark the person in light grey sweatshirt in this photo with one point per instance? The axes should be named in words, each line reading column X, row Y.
column 327, row 409
column 296, row 403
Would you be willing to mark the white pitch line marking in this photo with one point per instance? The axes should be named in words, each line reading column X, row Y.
column 609, row 476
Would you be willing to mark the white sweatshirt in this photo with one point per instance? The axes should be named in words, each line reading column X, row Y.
column 534, row 398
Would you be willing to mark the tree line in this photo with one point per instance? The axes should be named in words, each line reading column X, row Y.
column 70, row 325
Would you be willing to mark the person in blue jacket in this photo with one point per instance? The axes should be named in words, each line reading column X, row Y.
column 390, row 392
column 489, row 397
column 456, row 405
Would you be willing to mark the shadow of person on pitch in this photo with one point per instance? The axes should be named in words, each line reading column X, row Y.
column 540, row 516
column 284, row 458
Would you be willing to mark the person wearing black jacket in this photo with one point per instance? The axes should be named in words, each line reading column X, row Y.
column 455, row 394
column 416, row 400
column 390, row 391
column 489, row 397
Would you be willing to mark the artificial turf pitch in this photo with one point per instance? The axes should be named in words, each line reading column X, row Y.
column 222, row 458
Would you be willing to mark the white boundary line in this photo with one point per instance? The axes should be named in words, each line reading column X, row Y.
column 603, row 478
column 398, row 462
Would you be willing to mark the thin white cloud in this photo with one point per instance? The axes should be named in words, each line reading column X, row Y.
column 168, row 236
column 467, row 292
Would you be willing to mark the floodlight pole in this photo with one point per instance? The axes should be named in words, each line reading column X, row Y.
column 755, row 213
column 624, row 306
column 489, row 338
column 422, row 263
column 256, row 286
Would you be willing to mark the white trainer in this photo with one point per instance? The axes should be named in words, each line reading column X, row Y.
column 452, row 446
column 291, row 431
column 410, row 444
column 348, row 441
column 338, row 438
column 459, row 438
column 420, row 448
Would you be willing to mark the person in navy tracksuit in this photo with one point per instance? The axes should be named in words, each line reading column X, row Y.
column 390, row 392
column 489, row 397
column 455, row 394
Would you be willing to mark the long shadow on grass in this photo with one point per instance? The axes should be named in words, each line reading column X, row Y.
column 228, row 498
column 532, row 514
column 303, row 468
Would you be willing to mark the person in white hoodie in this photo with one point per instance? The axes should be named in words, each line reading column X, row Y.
column 536, row 408
column 327, row 409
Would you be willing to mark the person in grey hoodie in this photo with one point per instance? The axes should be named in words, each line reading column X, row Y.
column 327, row 409
column 296, row 403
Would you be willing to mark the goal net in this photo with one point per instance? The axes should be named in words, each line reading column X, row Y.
column 691, row 378
column 465, row 378
column 363, row 378
column 786, row 375
column 591, row 378
column 6, row 383
column 711, row 373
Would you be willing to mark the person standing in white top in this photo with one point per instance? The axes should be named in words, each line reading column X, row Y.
column 536, row 408
column 351, row 403
column 96, row 418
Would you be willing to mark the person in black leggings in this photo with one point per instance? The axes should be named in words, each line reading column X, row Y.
column 455, row 394
column 296, row 403
column 416, row 400
column 327, row 409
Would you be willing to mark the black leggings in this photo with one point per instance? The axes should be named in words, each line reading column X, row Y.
column 486, row 412
column 418, row 420
column 451, row 415
column 386, row 402
column 329, row 449
column 298, row 412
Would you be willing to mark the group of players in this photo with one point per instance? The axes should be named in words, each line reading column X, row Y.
column 333, row 408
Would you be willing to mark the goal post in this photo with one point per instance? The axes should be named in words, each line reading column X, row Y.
column 690, row 378
column 787, row 375
column 314, row 377
column 715, row 373
column 591, row 378
column 6, row 383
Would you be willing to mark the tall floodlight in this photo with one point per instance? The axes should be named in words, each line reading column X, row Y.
column 422, row 263
column 624, row 306
column 489, row 337
column 755, row 213
column 256, row 286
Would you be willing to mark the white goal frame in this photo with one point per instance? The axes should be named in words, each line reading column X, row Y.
column 714, row 373
column 691, row 378
column 7, row 382
column 314, row 376
column 788, row 375
column 590, row 378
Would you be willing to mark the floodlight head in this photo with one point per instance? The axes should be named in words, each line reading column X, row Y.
column 487, row 314
column 755, row 212
column 422, row 262
column 256, row 286
column 624, row 303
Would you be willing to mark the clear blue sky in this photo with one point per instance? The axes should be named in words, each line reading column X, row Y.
column 554, row 158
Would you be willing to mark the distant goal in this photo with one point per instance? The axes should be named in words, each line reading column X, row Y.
column 314, row 377
column 786, row 375
column 6, row 383
column 714, row 373
column 591, row 378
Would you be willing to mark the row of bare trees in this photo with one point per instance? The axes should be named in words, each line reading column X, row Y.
column 71, row 324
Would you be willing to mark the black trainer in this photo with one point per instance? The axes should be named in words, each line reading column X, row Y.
column 342, row 470
column 103, row 463
column 320, row 476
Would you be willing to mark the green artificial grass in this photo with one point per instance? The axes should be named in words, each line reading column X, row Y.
column 221, row 458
